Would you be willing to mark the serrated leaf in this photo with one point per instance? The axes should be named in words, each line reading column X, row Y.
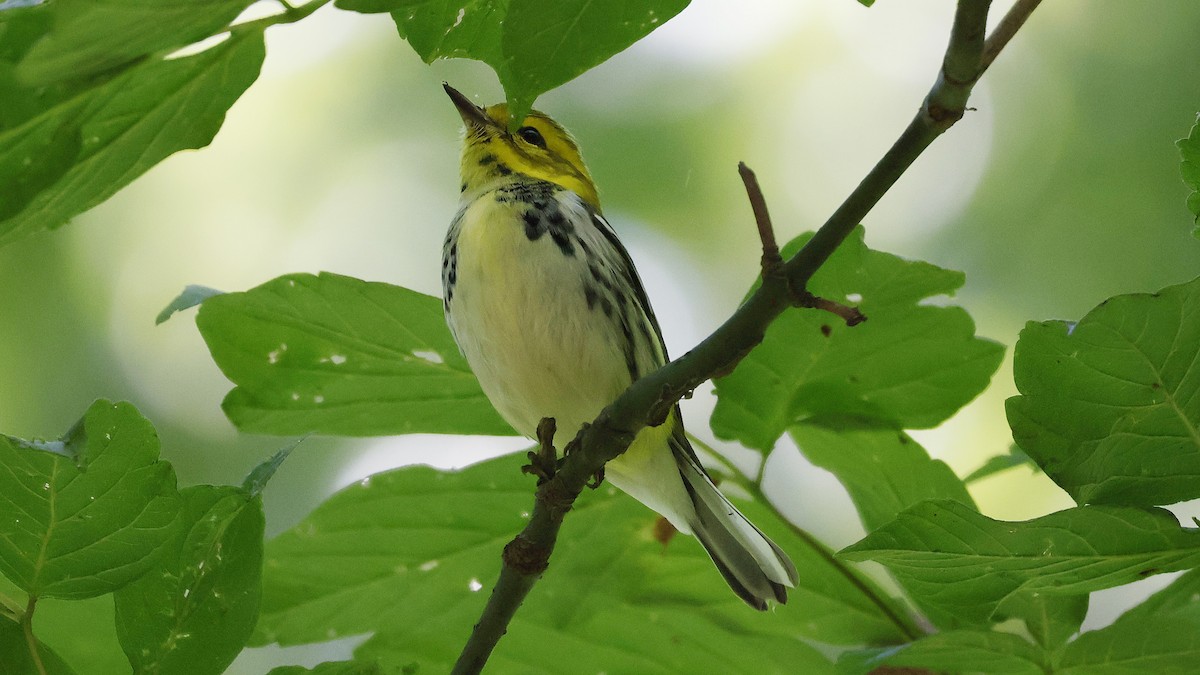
column 15, row 658
column 82, row 527
column 884, row 470
column 91, row 36
column 1109, row 407
column 191, row 296
column 193, row 612
column 966, row 564
column 1189, row 168
column 336, row 355
column 953, row 651
column 533, row 45
column 1180, row 601
column 910, row 365
column 410, row 555
column 1153, row 645
column 101, row 135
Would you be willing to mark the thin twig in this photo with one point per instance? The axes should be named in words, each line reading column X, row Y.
column 772, row 262
column 652, row 396
column 1005, row 30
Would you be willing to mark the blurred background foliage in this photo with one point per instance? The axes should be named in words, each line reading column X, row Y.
column 1061, row 189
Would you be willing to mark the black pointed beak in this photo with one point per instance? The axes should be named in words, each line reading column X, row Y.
column 472, row 115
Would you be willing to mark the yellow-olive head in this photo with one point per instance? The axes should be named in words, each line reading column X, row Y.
column 540, row 148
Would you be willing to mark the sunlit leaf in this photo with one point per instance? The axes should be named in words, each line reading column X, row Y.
column 1000, row 463
column 1110, row 407
column 90, row 36
column 336, row 355
column 99, row 136
column 332, row 668
column 910, row 365
column 91, row 515
column 533, row 45
column 967, row 564
column 192, row 613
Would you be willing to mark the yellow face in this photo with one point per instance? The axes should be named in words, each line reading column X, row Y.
column 540, row 148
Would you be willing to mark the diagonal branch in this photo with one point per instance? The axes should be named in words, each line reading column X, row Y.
column 651, row 397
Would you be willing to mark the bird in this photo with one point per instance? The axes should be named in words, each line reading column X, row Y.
column 546, row 306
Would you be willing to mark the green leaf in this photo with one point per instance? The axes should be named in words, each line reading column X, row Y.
column 260, row 475
column 1180, row 601
column 332, row 668
column 1152, row 645
column 1159, row 635
column 336, row 355
column 966, row 564
column 99, row 136
column 954, row 651
column 533, row 45
column 191, row 296
column 194, row 611
column 86, row 525
column 1109, row 406
column 1189, row 167
column 410, row 555
column 911, row 365
column 994, row 465
column 91, row 36
column 1050, row 619
column 15, row 658
column 884, row 470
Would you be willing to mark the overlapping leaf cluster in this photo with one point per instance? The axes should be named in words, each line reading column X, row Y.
column 96, row 92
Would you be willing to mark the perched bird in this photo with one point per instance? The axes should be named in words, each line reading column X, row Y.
column 546, row 306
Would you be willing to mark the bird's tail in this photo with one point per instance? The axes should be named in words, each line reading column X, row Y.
column 753, row 566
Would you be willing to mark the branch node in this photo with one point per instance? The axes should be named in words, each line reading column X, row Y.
column 525, row 557
column 851, row 315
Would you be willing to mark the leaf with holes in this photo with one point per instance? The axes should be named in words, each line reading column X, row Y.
column 910, row 365
column 192, row 613
column 410, row 555
column 336, row 355
column 1110, row 407
column 86, row 515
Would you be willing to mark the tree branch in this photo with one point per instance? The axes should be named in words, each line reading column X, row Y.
column 652, row 397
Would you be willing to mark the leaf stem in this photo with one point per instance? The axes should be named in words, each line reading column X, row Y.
column 653, row 396
column 27, row 627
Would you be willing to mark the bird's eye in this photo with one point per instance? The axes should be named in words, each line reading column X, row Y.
column 532, row 136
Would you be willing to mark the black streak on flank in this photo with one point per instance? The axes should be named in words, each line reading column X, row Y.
column 589, row 294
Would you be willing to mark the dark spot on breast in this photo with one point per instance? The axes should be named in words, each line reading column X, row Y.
column 503, row 170
column 557, row 218
column 533, row 225
column 487, row 159
column 606, row 305
column 589, row 294
column 463, row 188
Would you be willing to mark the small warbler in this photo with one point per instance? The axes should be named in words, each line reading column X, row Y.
column 546, row 306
